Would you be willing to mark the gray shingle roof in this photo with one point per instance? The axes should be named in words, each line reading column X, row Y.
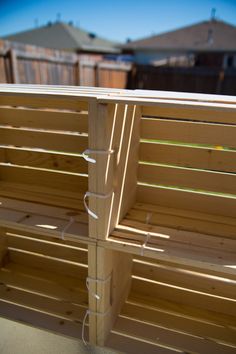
column 211, row 35
column 63, row 36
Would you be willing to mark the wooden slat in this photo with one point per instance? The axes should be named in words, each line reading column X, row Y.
column 44, row 119
column 43, row 101
column 180, row 199
column 49, row 179
column 186, row 296
column 46, row 283
column 178, row 252
column 131, row 344
column 187, row 178
column 157, row 234
column 47, row 263
column 182, row 318
column 183, row 220
column 46, row 160
column 167, row 337
column 194, row 113
column 47, row 248
column 44, row 140
column 186, row 156
column 187, row 213
column 43, row 304
column 43, row 195
column 180, row 276
column 201, row 314
column 41, row 320
column 30, row 209
column 189, row 132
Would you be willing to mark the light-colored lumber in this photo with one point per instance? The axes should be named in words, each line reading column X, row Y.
column 187, row 199
column 39, row 101
column 117, row 266
column 44, row 119
column 189, row 132
column 47, row 140
column 214, row 159
column 187, row 178
column 164, row 337
column 43, row 159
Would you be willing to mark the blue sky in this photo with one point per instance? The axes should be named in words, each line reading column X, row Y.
column 112, row 19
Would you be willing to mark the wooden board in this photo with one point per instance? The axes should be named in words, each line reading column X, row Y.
column 189, row 132
column 187, row 156
column 44, row 119
column 187, row 178
column 189, row 200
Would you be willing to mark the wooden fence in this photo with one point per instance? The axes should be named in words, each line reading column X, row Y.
column 117, row 216
column 25, row 64
column 196, row 79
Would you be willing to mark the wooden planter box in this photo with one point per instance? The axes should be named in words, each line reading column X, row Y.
column 152, row 267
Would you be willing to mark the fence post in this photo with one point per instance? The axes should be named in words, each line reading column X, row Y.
column 13, row 66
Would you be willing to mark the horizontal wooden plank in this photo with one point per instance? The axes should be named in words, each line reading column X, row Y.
column 187, row 178
column 46, row 160
column 194, row 113
column 178, row 252
column 157, row 234
column 42, row 178
column 44, row 223
column 43, row 195
column 45, row 283
column 187, row 213
column 47, row 248
column 185, row 295
column 44, row 119
column 166, row 336
column 185, row 96
column 44, row 140
column 41, row 320
column 121, row 341
column 183, row 220
column 180, row 199
column 43, row 304
column 47, row 263
column 37, row 209
column 182, row 319
column 186, row 156
column 183, row 277
column 32, row 100
column 189, row 132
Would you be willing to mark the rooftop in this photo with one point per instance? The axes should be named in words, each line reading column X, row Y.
column 63, row 36
column 210, row 35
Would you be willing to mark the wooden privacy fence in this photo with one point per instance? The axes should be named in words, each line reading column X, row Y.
column 25, row 64
column 117, row 216
column 195, row 79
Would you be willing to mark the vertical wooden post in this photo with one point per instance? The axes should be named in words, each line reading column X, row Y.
column 14, row 67
column 96, row 75
column 92, row 274
column 113, row 127
column 77, row 79
column 101, row 121
column 114, row 271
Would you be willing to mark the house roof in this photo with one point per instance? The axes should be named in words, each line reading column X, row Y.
column 64, row 36
column 210, row 35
